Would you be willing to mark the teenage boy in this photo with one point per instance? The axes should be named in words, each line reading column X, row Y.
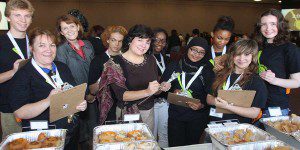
column 14, row 47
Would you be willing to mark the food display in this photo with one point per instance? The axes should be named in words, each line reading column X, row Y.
column 42, row 142
column 284, row 128
column 280, row 148
column 46, row 139
column 142, row 146
column 236, row 137
column 121, row 136
column 289, row 125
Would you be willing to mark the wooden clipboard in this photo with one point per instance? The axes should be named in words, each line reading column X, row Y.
column 242, row 98
column 64, row 104
column 23, row 63
column 179, row 100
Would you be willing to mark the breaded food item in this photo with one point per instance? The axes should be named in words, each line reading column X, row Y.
column 17, row 144
column 281, row 148
column 146, row 146
column 33, row 145
column 134, row 133
column 107, row 137
column 51, row 141
column 42, row 136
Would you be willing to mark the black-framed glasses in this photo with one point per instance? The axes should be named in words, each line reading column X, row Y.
column 195, row 51
column 161, row 41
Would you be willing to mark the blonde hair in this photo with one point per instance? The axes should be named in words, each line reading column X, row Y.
column 18, row 4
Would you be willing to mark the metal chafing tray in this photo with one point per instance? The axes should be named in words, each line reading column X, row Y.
column 117, row 128
column 259, row 135
column 292, row 139
column 33, row 135
column 264, row 145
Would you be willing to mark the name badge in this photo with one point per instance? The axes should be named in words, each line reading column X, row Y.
column 275, row 111
column 184, row 93
column 131, row 117
column 38, row 125
column 214, row 113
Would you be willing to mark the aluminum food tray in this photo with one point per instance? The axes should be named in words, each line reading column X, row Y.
column 117, row 128
column 265, row 145
column 292, row 139
column 33, row 135
column 259, row 135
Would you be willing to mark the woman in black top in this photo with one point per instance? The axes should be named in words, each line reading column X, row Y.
column 40, row 78
column 239, row 73
column 220, row 37
column 186, row 124
column 279, row 59
column 161, row 105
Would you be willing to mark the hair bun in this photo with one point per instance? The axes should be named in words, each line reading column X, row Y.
column 224, row 23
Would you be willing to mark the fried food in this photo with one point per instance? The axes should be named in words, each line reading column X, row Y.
column 17, row 144
column 281, row 148
column 145, row 146
column 236, row 137
column 287, row 126
column 122, row 136
column 42, row 136
column 33, row 145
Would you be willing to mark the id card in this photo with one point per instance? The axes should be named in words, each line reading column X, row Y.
column 131, row 117
column 275, row 111
column 214, row 113
column 38, row 125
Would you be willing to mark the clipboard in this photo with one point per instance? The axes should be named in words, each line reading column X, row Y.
column 242, row 98
column 64, row 103
column 23, row 63
column 179, row 100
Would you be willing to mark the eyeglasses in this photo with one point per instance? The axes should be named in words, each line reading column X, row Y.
column 195, row 51
column 158, row 40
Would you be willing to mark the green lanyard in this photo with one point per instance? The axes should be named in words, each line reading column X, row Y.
column 212, row 62
column 189, row 92
column 261, row 67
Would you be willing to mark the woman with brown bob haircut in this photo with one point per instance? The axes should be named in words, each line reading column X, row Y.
column 77, row 54
column 239, row 73
column 278, row 60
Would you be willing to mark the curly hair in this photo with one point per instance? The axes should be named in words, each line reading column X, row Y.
column 282, row 25
column 109, row 30
column 224, row 23
column 139, row 30
column 68, row 19
column 243, row 46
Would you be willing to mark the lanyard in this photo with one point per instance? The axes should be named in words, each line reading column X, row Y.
column 226, row 86
column 16, row 48
column 162, row 67
column 56, row 82
column 183, row 74
column 107, row 53
column 213, row 54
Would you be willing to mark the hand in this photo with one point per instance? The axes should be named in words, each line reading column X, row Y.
column 195, row 106
column 219, row 102
column 82, row 106
column 269, row 76
column 16, row 65
column 165, row 86
column 219, row 62
column 53, row 92
column 153, row 87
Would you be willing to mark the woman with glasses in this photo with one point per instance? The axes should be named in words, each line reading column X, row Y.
column 278, row 60
column 112, row 39
column 186, row 124
column 161, row 105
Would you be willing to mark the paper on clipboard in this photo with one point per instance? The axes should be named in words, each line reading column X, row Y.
column 242, row 98
column 64, row 103
column 176, row 99
column 23, row 63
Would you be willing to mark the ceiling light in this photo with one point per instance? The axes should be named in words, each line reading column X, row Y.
column 257, row 0
column 279, row 1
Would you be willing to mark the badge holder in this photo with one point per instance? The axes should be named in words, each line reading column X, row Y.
column 275, row 111
column 39, row 125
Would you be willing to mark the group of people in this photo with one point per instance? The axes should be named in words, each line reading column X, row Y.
column 134, row 76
